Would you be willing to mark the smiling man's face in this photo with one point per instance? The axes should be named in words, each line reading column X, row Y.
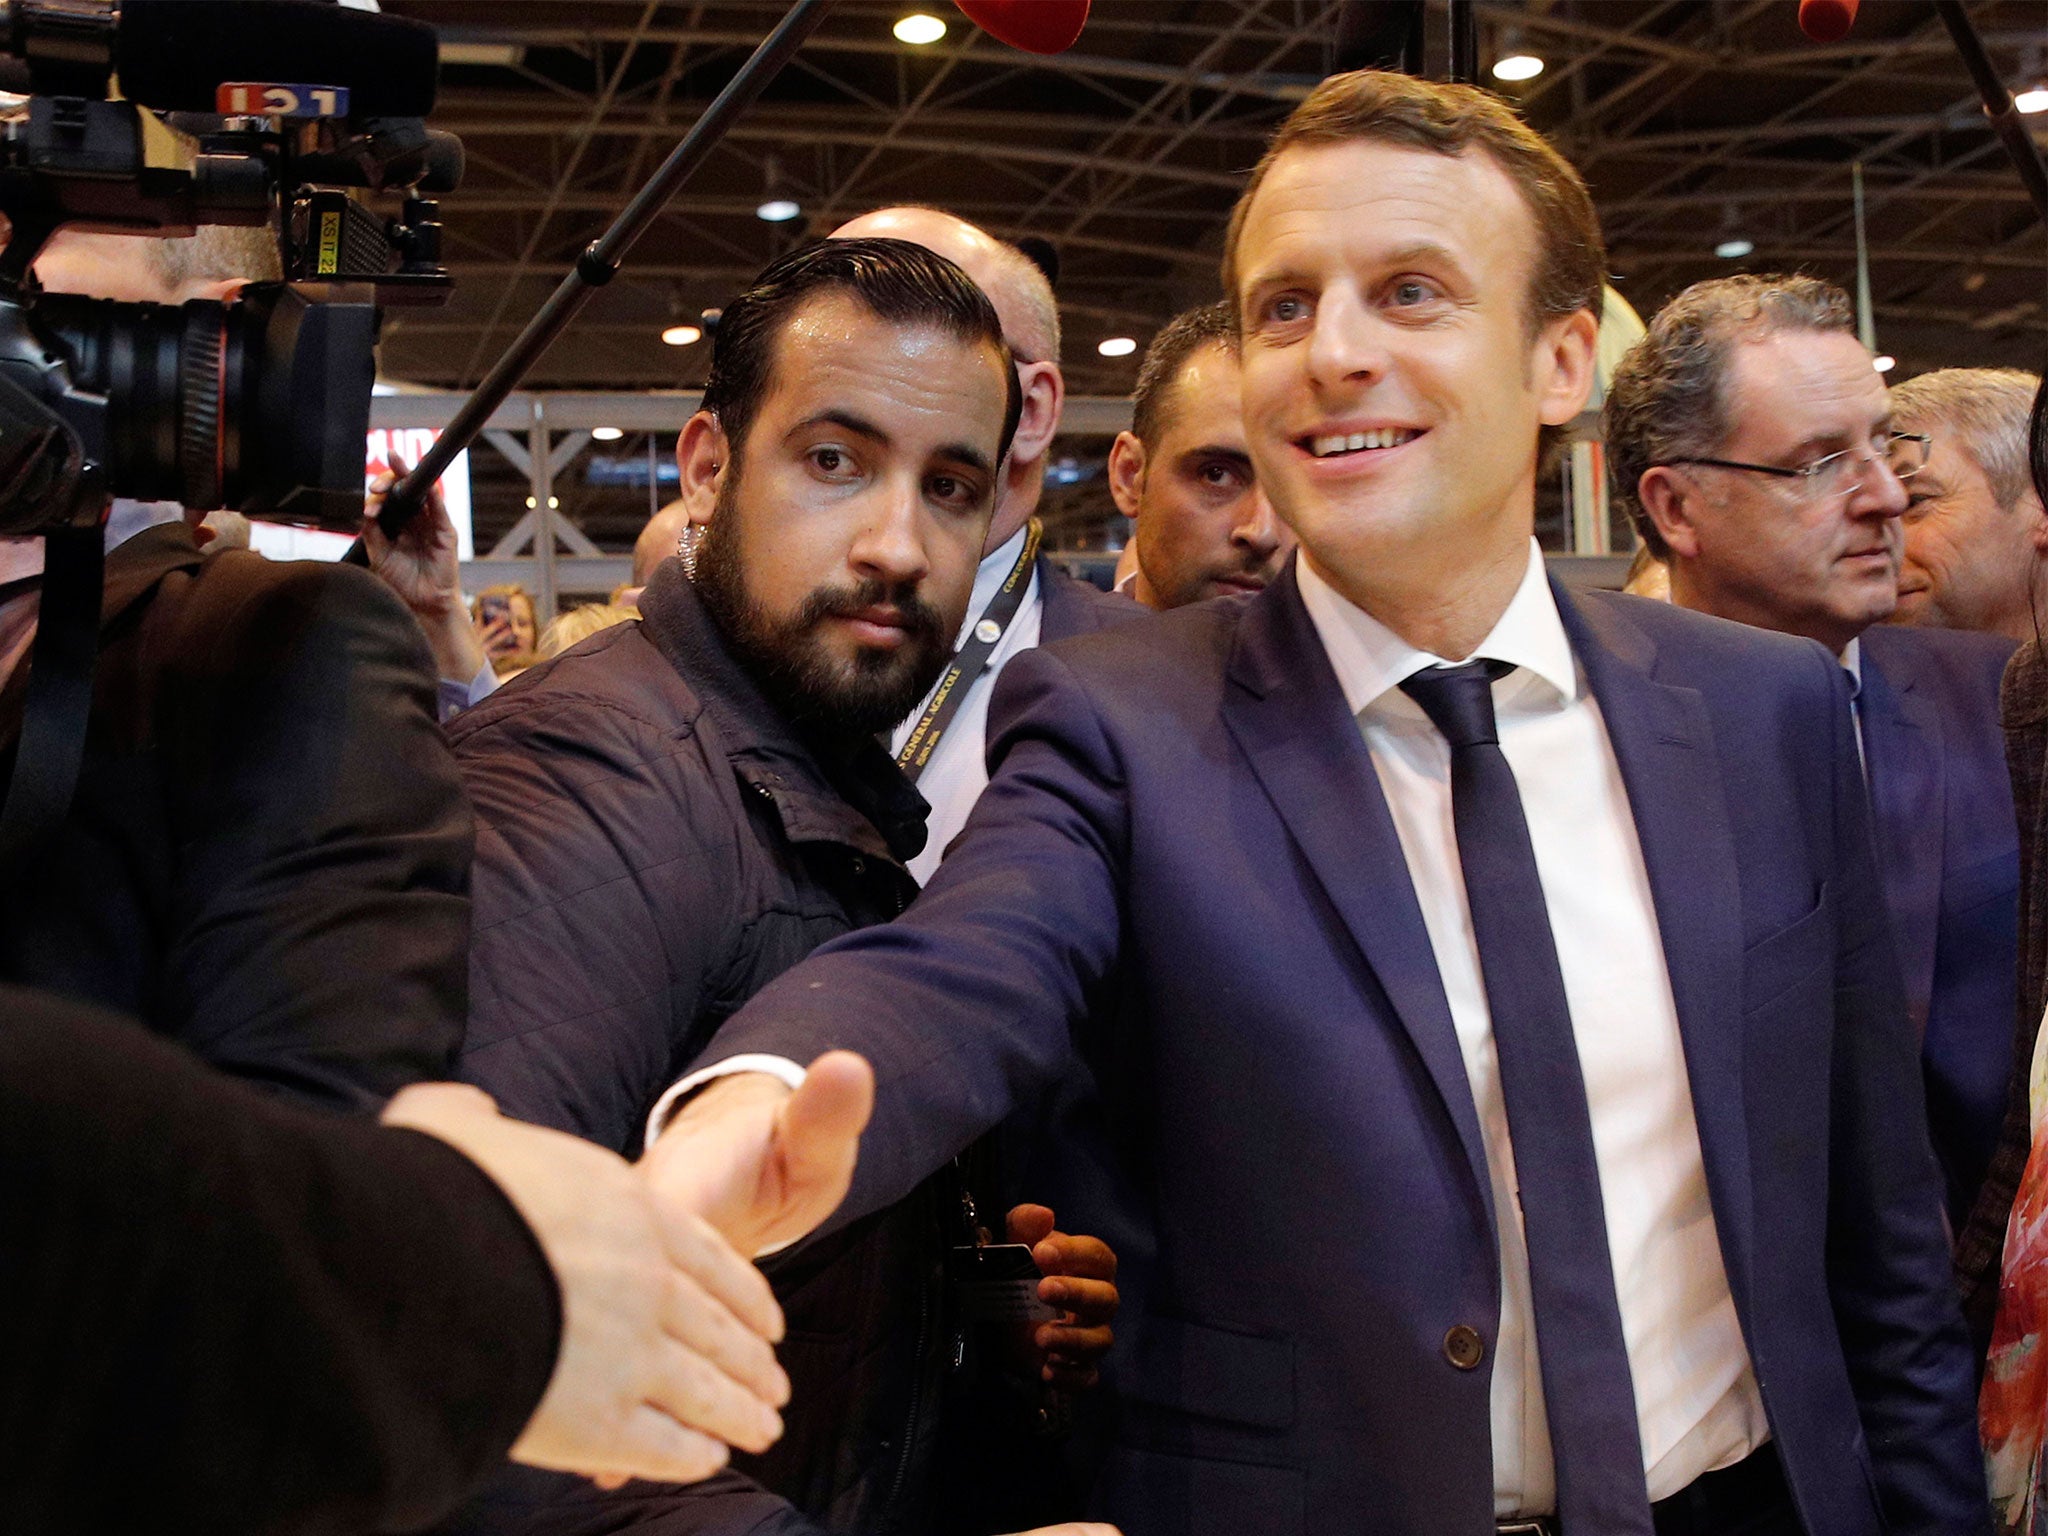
column 1393, row 388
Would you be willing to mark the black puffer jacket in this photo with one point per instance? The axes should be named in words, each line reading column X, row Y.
column 655, row 843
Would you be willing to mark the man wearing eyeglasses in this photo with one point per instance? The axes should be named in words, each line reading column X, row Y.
column 1752, row 442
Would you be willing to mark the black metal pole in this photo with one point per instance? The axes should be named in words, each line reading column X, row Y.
column 1464, row 43
column 598, row 263
column 2005, row 117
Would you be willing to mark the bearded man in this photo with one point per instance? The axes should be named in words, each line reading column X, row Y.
column 677, row 810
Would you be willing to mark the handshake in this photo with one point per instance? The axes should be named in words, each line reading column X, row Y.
column 667, row 1354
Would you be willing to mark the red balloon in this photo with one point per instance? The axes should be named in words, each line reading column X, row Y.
column 1827, row 21
column 1036, row 26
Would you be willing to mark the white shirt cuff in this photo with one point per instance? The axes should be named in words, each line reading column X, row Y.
column 779, row 1067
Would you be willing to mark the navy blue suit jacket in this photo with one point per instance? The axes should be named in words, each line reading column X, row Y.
column 1184, row 872
column 1948, row 848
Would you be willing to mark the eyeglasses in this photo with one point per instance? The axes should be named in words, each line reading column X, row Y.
column 1837, row 474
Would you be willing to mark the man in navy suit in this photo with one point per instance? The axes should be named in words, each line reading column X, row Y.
column 1753, row 443
column 1441, row 1008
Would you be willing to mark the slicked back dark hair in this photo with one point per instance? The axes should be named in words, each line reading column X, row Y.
column 894, row 280
column 1212, row 325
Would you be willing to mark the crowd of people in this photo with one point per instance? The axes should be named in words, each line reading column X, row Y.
column 868, row 1033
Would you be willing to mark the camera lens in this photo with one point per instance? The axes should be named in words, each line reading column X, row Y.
column 261, row 404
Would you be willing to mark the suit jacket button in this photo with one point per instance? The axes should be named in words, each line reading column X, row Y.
column 1464, row 1348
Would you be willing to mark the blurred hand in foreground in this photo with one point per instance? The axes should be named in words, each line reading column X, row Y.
column 667, row 1349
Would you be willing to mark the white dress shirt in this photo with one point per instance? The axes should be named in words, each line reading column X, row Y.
column 1697, row 1404
column 957, row 771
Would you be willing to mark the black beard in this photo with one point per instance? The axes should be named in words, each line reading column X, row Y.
column 787, row 660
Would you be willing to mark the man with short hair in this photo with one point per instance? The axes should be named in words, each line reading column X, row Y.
column 1020, row 598
column 1975, row 531
column 1758, row 452
column 1182, row 473
column 675, row 812
column 1508, row 1096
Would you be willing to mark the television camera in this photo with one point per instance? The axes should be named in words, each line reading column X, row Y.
column 157, row 117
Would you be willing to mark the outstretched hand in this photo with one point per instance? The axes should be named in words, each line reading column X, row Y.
column 763, row 1164
column 666, row 1354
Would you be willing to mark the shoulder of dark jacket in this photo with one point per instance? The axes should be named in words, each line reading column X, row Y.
column 2023, row 696
column 617, row 677
column 244, row 612
column 1071, row 606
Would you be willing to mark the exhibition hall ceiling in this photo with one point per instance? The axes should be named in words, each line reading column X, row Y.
column 1702, row 128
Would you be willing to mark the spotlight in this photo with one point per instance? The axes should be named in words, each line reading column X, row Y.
column 2032, row 100
column 919, row 30
column 682, row 335
column 778, row 210
column 1735, row 249
column 607, row 434
column 1117, row 346
column 1884, row 364
column 1517, row 67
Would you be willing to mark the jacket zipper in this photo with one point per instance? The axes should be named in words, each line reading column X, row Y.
column 910, row 1423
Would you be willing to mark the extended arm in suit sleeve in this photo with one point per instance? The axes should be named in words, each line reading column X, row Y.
column 1887, row 1249
column 965, row 1004
column 321, row 908
column 221, row 1312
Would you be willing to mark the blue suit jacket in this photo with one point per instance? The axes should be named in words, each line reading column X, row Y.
column 1184, row 872
column 1948, row 848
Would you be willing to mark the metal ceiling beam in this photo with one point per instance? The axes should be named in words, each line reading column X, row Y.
column 578, row 147
column 1024, row 153
column 1289, row 88
column 505, row 115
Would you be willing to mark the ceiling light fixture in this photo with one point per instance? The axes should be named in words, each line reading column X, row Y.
column 1517, row 67
column 776, row 205
column 1734, row 249
column 1884, row 364
column 682, row 335
column 607, row 434
column 500, row 55
column 2033, row 99
column 919, row 30
column 1117, row 346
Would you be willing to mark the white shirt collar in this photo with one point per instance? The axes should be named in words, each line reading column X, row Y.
column 1371, row 661
column 1852, row 663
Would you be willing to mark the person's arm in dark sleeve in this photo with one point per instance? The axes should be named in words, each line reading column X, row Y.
column 965, row 1005
column 320, row 933
column 223, row 1313
column 604, row 889
column 1887, row 1246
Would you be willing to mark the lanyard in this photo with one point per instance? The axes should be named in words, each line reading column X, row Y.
column 970, row 661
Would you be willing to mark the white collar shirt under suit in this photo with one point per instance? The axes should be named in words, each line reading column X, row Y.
column 1697, row 1403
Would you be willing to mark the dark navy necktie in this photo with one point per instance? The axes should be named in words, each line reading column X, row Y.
column 1588, row 1394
